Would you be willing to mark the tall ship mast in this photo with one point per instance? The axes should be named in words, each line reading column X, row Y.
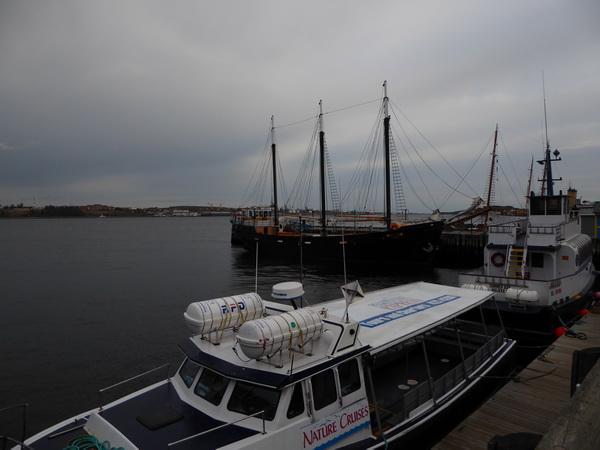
column 367, row 238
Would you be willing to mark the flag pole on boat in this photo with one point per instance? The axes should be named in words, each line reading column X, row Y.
column 343, row 239
column 350, row 291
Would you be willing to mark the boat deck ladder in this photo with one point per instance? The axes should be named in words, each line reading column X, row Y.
column 515, row 263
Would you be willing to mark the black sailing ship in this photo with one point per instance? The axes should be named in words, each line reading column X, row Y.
column 356, row 238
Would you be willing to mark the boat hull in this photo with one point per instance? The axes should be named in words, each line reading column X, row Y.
column 410, row 245
column 416, row 370
column 537, row 324
column 422, row 431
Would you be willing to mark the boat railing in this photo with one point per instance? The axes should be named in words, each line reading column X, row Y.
column 462, row 371
column 194, row 436
column 128, row 380
column 499, row 283
column 538, row 234
column 416, row 397
column 422, row 393
column 256, row 222
column 8, row 440
column 506, row 233
column 543, row 229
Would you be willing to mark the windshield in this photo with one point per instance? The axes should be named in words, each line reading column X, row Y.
column 249, row 399
column 211, row 386
column 188, row 371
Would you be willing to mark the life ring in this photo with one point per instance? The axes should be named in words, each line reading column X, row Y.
column 498, row 259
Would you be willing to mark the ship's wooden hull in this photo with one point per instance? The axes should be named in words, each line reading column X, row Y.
column 410, row 245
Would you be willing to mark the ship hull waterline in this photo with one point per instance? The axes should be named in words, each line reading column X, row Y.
column 412, row 245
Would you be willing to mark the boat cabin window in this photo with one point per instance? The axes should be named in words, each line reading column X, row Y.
column 553, row 206
column 547, row 206
column 349, row 377
column 323, row 389
column 536, row 259
column 188, row 371
column 249, row 399
column 211, row 386
column 536, row 206
column 296, row 403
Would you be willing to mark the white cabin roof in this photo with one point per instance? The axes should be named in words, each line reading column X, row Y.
column 386, row 317
column 399, row 313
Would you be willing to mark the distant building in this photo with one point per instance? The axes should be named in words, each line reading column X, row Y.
column 183, row 213
column 589, row 214
column 97, row 207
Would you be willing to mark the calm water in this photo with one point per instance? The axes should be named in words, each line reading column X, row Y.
column 86, row 303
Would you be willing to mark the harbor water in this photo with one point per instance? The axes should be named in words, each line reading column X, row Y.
column 87, row 303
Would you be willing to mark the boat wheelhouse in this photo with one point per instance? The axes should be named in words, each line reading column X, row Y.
column 393, row 366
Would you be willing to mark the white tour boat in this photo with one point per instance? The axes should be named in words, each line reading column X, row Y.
column 393, row 366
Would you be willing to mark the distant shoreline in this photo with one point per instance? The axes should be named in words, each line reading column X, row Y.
column 104, row 216
column 24, row 212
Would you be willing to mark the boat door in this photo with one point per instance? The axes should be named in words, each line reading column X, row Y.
column 338, row 405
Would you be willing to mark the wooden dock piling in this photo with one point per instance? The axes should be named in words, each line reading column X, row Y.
column 461, row 249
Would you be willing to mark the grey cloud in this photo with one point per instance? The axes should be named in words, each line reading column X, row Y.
column 147, row 102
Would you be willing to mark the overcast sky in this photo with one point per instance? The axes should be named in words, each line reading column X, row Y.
column 157, row 103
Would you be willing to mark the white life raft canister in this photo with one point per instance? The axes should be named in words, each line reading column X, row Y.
column 262, row 337
column 222, row 313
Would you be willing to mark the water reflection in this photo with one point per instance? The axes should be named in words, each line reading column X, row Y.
column 322, row 282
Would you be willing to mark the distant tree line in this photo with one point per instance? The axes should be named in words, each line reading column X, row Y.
column 57, row 211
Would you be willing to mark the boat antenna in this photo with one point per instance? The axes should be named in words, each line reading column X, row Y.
column 274, row 157
column 547, row 187
column 256, row 270
column 548, row 180
column 349, row 290
column 545, row 115
column 343, row 239
column 301, row 254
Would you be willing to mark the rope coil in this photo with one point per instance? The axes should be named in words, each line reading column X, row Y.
column 90, row 443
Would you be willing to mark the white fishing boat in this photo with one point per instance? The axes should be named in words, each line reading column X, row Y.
column 539, row 267
column 397, row 366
